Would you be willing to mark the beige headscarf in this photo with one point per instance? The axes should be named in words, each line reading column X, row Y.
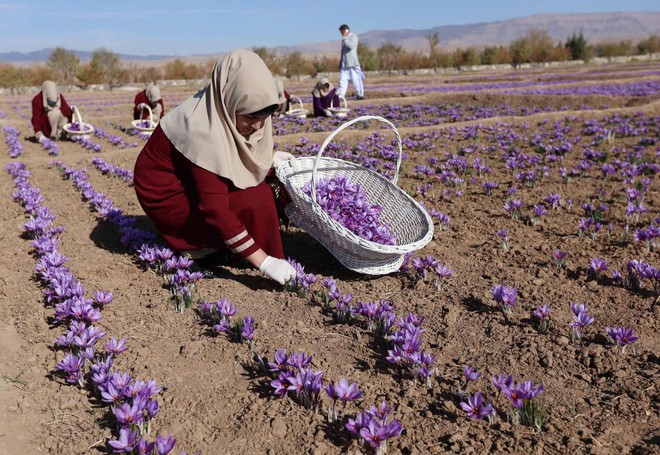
column 153, row 93
column 203, row 127
column 319, row 91
column 49, row 91
column 283, row 102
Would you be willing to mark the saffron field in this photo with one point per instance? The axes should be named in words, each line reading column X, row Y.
column 527, row 325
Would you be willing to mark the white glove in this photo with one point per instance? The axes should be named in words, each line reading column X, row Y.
column 141, row 106
column 327, row 112
column 40, row 137
column 282, row 157
column 277, row 269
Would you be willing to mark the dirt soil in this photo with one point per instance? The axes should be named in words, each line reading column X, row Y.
column 600, row 400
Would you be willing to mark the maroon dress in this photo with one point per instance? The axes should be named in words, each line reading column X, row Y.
column 142, row 98
column 193, row 208
column 40, row 120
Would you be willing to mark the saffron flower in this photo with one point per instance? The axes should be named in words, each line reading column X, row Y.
column 164, row 444
column 598, row 266
column 581, row 320
column 343, row 391
column 559, row 258
column 622, row 336
column 116, row 347
column 475, row 407
column 503, row 234
column 470, row 373
column 126, row 442
column 506, row 298
column 543, row 314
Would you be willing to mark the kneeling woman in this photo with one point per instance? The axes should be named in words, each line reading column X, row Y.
column 200, row 177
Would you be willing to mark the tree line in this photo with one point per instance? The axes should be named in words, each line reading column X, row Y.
column 105, row 67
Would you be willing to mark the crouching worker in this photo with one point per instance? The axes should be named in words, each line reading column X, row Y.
column 50, row 112
column 324, row 96
column 151, row 97
column 200, row 177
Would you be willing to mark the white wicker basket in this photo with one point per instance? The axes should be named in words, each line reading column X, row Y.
column 300, row 112
column 409, row 222
column 340, row 111
column 86, row 129
column 152, row 124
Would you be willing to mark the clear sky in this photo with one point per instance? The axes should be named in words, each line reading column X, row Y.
column 175, row 27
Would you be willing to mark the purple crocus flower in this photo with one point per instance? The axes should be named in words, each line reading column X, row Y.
column 506, row 297
column 559, row 258
column 361, row 421
column 116, row 347
column 543, row 314
column 280, row 363
column 470, row 373
column 528, row 387
column 128, row 415
column 580, row 322
column 223, row 326
column 282, row 384
column 343, row 391
column 164, row 444
column 475, row 407
column 598, row 266
column 501, row 382
column 247, row 331
column 621, row 335
column 376, row 433
column 126, row 442
column 144, row 447
column 517, row 395
column 102, row 297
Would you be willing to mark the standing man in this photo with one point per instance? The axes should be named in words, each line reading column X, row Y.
column 349, row 66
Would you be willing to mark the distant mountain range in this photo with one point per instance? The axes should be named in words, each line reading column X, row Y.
column 596, row 27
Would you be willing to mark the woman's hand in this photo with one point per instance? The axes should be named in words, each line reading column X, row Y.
column 282, row 157
column 277, row 269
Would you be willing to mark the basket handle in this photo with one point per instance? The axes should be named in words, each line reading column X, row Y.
column 344, row 126
column 299, row 101
column 75, row 113
column 151, row 114
column 345, row 102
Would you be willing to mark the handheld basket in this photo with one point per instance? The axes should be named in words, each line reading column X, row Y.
column 409, row 222
column 78, row 128
column 147, row 125
column 300, row 112
column 339, row 111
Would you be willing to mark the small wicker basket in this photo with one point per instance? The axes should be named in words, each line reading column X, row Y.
column 339, row 111
column 139, row 124
column 300, row 112
column 78, row 128
column 409, row 222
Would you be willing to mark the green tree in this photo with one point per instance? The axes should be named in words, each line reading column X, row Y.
column 11, row 77
column 297, row 65
column 577, row 45
column 367, row 57
column 178, row 69
column 433, row 39
column 520, row 51
column 104, row 68
column 650, row 45
column 465, row 57
column 64, row 65
column 389, row 56
column 270, row 58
